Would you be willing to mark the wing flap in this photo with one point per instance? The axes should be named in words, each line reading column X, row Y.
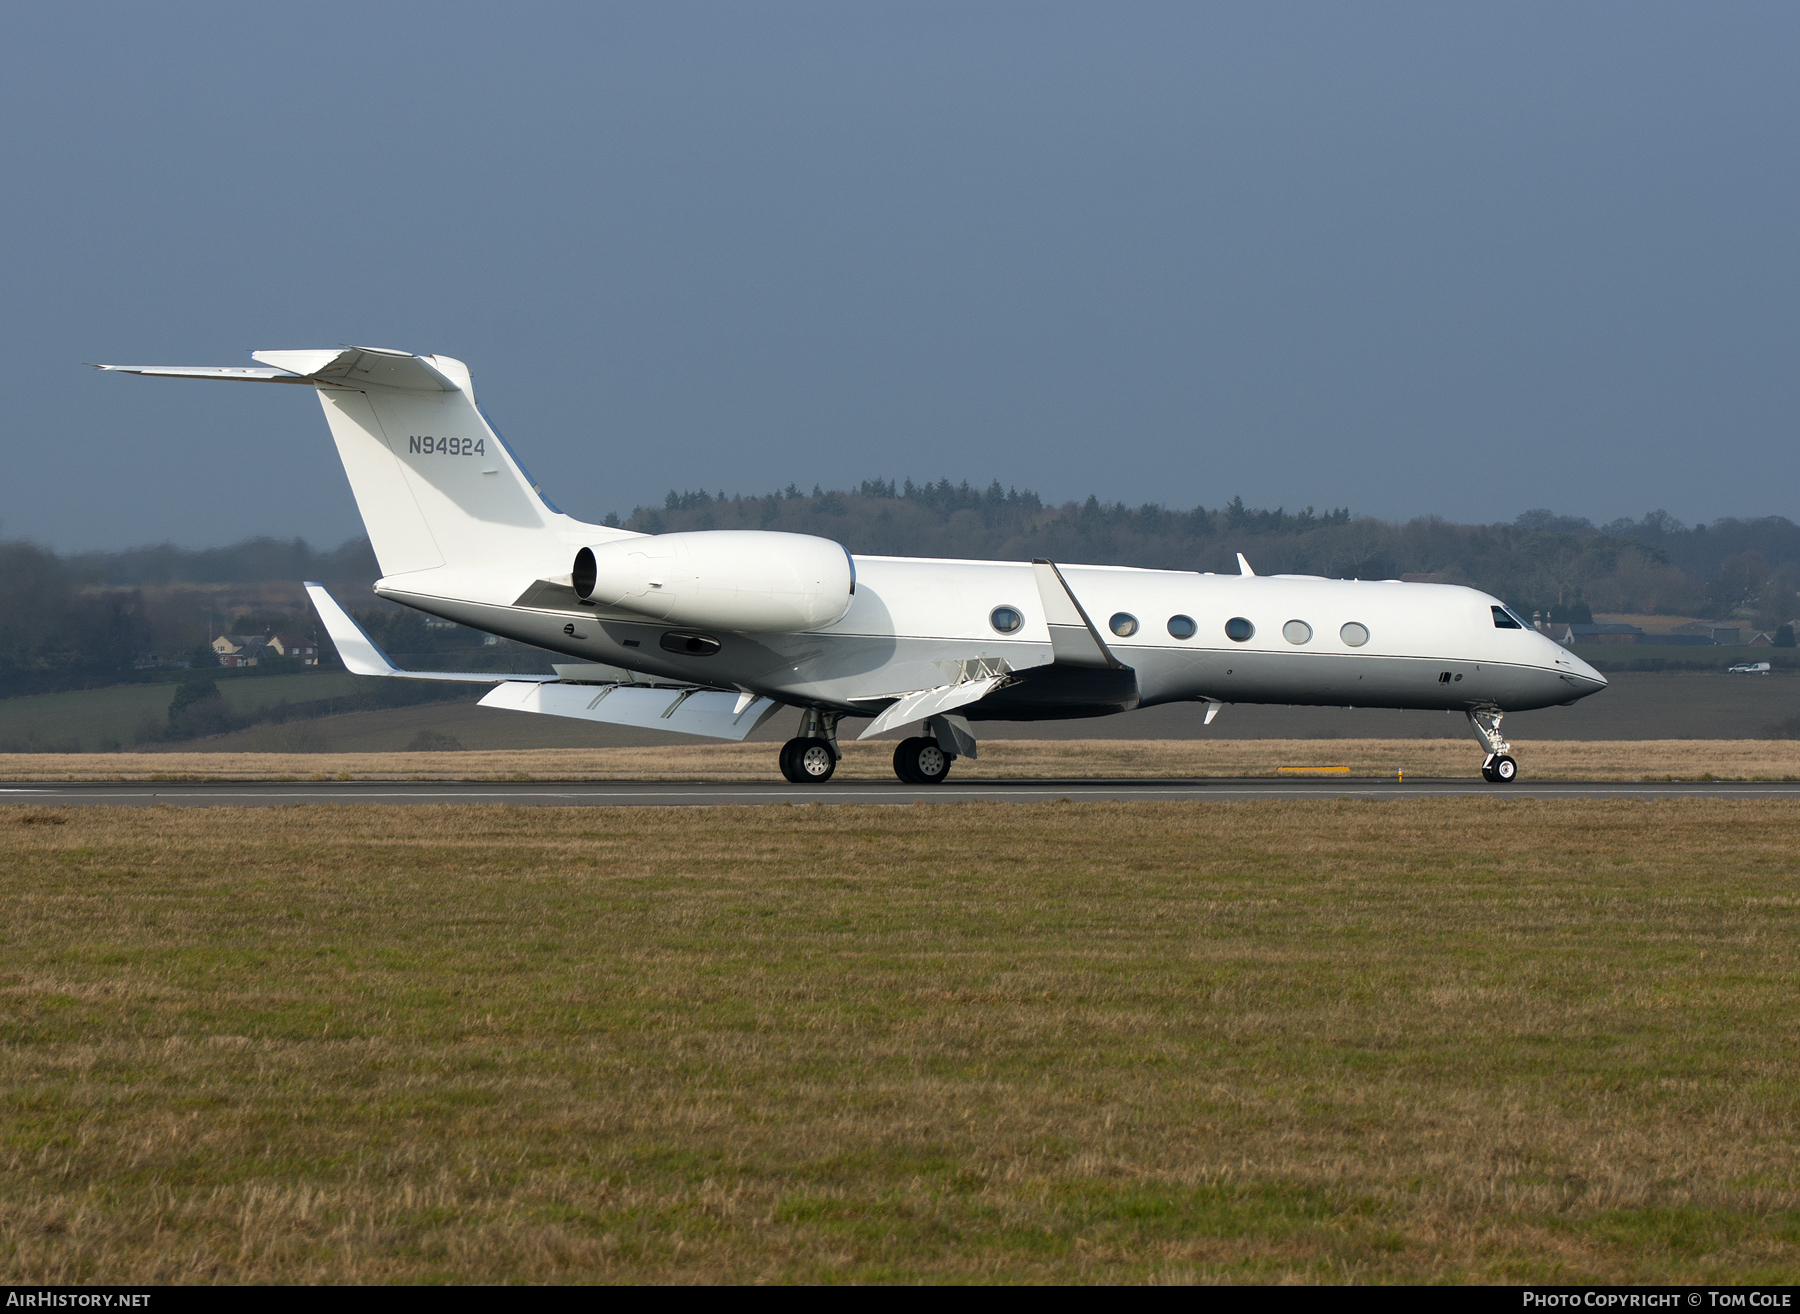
column 930, row 702
column 710, row 713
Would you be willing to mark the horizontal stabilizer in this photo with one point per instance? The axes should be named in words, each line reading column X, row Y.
column 712, row 713
column 931, row 702
column 343, row 367
column 363, row 656
column 228, row 373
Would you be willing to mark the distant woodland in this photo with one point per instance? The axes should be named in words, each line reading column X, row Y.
column 97, row 618
column 1564, row 565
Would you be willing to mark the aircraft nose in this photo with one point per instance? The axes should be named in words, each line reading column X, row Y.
column 1577, row 674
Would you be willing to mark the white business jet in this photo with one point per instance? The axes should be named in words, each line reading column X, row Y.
column 709, row 633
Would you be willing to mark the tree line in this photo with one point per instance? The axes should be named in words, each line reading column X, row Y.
column 1567, row 566
column 91, row 618
column 142, row 614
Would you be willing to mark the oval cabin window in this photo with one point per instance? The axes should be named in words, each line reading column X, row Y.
column 1354, row 635
column 1239, row 630
column 1297, row 631
column 1182, row 627
column 1123, row 624
column 1005, row 619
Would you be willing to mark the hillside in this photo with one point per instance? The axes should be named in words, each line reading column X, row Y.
column 107, row 618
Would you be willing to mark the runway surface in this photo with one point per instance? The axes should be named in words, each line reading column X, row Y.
column 667, row 793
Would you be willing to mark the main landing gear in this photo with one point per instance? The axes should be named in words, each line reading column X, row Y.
column 1498, row 768
column 925, row 760
column 920, row 761
column 811, row 756
column 807, row 761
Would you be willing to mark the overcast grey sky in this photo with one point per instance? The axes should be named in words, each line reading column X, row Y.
column 1414, row 259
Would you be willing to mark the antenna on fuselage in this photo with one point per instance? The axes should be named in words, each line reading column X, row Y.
column 1244, row 566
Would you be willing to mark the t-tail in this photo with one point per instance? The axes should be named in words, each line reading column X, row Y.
column 436, row 484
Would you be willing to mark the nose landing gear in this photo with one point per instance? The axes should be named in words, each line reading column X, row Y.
column 1498, row 768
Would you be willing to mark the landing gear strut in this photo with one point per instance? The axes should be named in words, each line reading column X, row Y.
column 1498, row 768
column 811, row 756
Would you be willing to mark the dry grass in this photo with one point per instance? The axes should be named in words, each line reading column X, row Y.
column 1448, row 1040
column 1001, row 759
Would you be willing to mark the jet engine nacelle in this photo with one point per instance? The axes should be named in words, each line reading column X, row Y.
column 727, row 579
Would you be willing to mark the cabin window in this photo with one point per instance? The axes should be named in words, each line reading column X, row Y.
column 1505, row 620
column 1297, row 631
column 1123, row 624
column 689, row 645
column 1239, row 630
column 1182, row 627
column 1006, row 619
column 1354, row 635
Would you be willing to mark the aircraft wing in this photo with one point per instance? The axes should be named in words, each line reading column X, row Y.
column 690, row 710
column 1074, row 638
column 932, row 702
column 586, row 691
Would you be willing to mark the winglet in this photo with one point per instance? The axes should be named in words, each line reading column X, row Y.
column 1244, row 566
column 363, row 656
column 1073, row 638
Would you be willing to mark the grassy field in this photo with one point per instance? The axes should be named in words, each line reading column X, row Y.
column 99, row 719
column 1609, row 657
column 1638, row 706
column 1494, row 1040
column 1001, row 759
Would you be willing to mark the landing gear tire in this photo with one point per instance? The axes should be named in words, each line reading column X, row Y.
column 807, row 761
column 921, row 762
column 1500, row 770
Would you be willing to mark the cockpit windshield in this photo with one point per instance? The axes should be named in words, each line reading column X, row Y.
column 1505, row 620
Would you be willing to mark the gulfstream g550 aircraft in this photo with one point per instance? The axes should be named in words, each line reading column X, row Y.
column 710, row 633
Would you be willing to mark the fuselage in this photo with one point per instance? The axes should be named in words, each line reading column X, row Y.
column 463, row 532
column 913, row 621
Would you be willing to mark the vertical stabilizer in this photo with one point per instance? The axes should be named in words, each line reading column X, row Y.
column 435, row 483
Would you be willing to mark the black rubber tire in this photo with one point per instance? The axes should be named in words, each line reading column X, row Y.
column 1505, row 770
column 789, row 771
column 813, row 761
column 903, row 755
column 1487, row 773
column 921, row 762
